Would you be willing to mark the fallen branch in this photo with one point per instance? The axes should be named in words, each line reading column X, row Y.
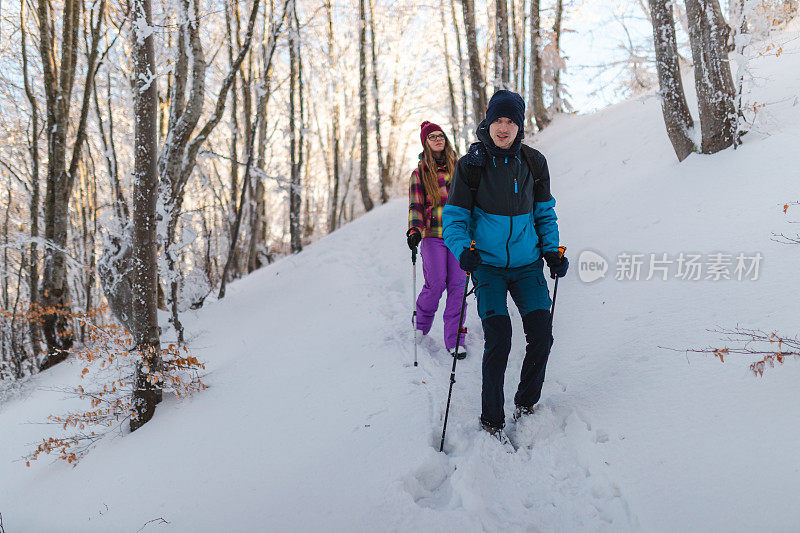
column 159, row 520
column 770, row 347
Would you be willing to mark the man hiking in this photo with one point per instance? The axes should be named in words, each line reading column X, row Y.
column 500, row 197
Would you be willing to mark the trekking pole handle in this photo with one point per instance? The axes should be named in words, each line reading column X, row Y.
column 561, row 250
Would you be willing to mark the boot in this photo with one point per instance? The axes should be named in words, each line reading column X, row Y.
column 521, row 411
column 496, row 432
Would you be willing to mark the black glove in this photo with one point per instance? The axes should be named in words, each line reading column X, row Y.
column 414, row 237
column 469, row 260
column 558, row 264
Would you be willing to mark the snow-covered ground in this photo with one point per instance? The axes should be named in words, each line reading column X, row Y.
column 315, row 418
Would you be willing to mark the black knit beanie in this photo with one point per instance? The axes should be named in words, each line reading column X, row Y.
column 506, row 104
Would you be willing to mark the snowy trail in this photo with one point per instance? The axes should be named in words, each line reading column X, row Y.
column 545, row 484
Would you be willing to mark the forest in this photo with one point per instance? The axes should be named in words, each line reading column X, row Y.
column 156, row 150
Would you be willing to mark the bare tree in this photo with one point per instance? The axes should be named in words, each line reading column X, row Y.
column 557, row 105
column 295, row 134
column 463, row 74
column 250, row 127
column 713, row 81
column 378, row 145
column 233, row 38
column 334, row 190
column 87, row 195
column 501, row 52
column 33, row 274
column 363, row 185
column 517, row 46
column 145, row 194
column 450, row 88
column 537, row 109
column 59, row 78
column 475, row 70
column 677, row 116
column 258, row 224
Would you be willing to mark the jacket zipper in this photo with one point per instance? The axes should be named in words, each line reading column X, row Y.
column 508, row 241
column 510, row 225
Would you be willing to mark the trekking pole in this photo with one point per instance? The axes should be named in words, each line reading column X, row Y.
column 414, row 298
column 455, row 359
column 561, row 250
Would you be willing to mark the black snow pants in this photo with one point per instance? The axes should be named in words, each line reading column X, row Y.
column 497, row 337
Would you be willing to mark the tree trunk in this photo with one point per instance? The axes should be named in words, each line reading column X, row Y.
column 378, row 145
column 363, row 185
column 520, row 56
column 302, row 145
column 463, row 73
column 713, row 80
column 677, row 116
column 475, row 70
column 450, row 88
column 33, row 275
column 334, row 194
column 88, row 213
column 537, row 108
column 233, row 37
column 295, row 144
column 4, row 293
column 334, row 219
column 250, row 126
column 398, row 98
column 557, row 106
column 145, row 194
column 58, row 83
column 501, row 54
column 258, row 231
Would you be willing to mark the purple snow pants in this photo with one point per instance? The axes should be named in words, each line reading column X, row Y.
column 441, row 272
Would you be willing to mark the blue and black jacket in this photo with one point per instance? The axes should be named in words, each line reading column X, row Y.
column 508, row 210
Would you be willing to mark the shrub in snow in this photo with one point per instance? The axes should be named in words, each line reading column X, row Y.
column 767, row 347
column 109, row 361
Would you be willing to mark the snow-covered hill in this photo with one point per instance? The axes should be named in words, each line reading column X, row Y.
column 316, row 420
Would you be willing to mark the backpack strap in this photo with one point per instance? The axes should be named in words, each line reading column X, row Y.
column 473, row 179
column 476, row 159
column 527, row 155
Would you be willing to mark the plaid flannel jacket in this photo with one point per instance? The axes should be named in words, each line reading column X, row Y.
column 421, row 213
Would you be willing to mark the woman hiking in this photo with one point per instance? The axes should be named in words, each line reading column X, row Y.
column 427, row 195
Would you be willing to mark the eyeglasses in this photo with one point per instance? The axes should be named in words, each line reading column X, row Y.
column 436, row 137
